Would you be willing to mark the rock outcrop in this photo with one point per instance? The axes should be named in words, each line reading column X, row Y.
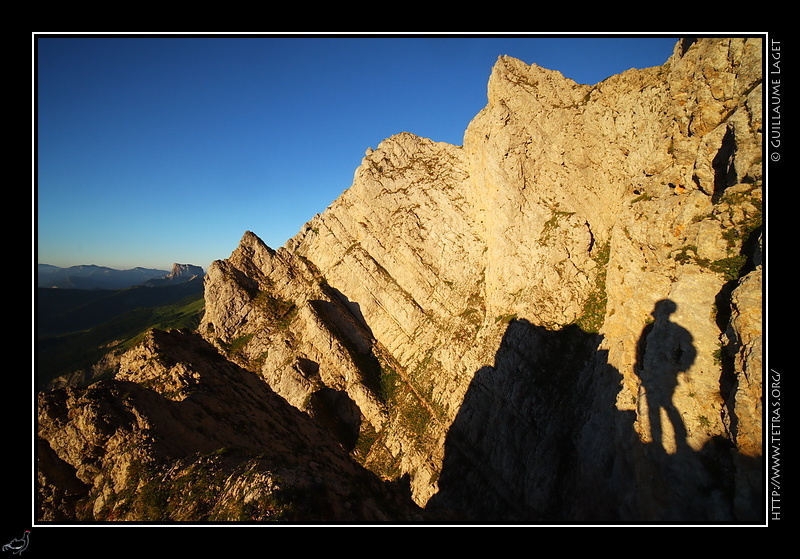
column 559, row 320
column 185, row 272
column 181, row 273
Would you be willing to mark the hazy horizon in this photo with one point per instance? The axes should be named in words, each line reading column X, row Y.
column 155, row 150
column 166, row 269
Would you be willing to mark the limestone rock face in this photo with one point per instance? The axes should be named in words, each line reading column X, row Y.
column 184, row 272
column 559, row 320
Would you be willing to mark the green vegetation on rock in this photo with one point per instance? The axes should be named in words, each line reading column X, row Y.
column 594, row 308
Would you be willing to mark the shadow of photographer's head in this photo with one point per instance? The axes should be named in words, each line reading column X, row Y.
column 664, row 308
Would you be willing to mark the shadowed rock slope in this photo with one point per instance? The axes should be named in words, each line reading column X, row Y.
column 559, row 321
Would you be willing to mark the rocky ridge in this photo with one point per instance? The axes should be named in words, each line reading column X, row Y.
column 534, row 326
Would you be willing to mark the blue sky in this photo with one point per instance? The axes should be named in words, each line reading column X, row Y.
column 154, row 150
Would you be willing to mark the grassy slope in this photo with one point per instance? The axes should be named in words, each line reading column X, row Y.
column 75, row 330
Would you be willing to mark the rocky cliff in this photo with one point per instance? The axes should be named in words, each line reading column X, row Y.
column 558, row 321
column 181, row 273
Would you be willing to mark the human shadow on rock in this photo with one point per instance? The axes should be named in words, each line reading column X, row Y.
column 712, row 483
column 540, row 439
column 665, row 350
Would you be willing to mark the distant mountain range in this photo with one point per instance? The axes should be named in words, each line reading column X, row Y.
column 101, row 277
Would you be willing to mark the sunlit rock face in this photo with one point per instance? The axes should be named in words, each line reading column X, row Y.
column 559, row 320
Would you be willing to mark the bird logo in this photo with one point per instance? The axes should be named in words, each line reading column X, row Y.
column 18, row 545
